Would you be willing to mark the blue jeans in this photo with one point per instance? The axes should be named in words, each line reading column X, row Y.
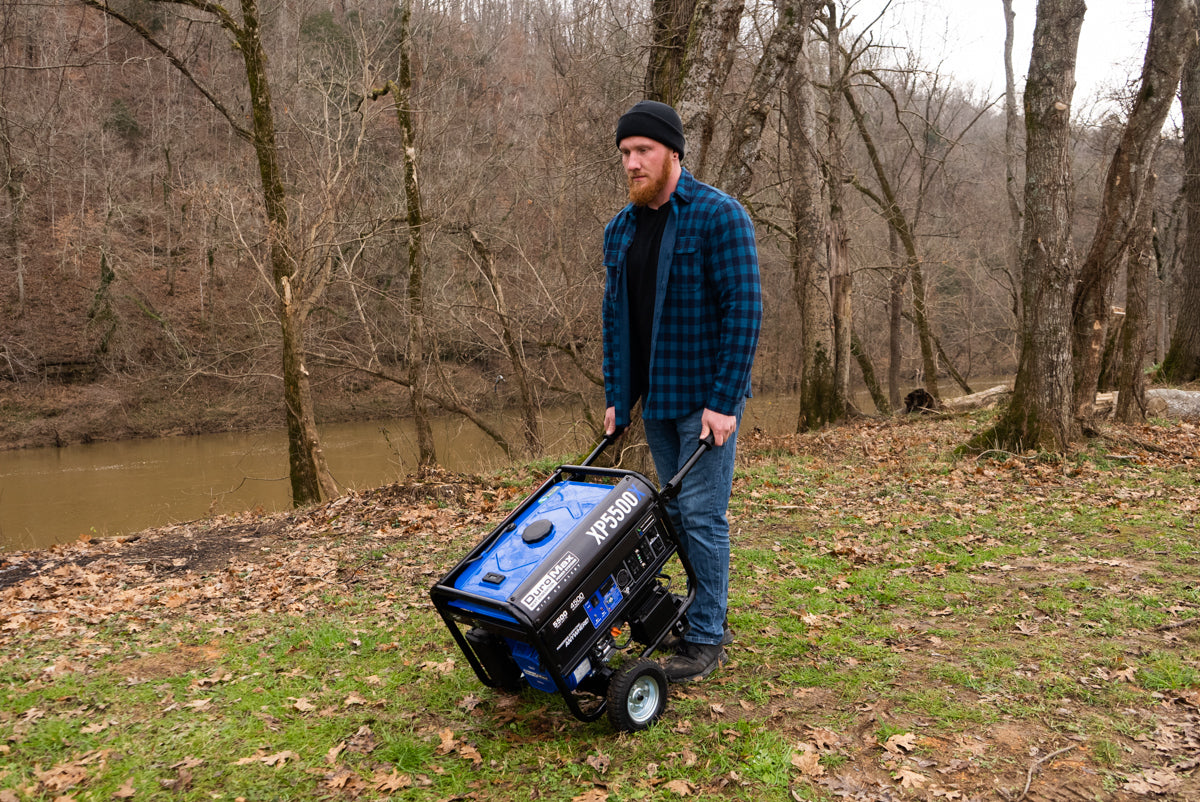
column 698, row 515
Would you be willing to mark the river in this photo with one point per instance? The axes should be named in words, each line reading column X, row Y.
column 57, row 495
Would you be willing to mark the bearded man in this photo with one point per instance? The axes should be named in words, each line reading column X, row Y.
column 682, row 314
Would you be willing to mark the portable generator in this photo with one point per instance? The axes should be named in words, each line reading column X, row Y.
column 560, row 593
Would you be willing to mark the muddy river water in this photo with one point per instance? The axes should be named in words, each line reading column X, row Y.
column 56, row 495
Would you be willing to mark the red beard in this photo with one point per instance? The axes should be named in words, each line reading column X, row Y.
column 642, row 193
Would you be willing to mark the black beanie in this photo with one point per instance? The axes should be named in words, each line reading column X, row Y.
column 655, row 120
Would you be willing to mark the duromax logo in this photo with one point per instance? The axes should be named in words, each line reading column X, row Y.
column 550, row 581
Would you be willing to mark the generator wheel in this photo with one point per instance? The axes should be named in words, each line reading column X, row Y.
column 637, row 696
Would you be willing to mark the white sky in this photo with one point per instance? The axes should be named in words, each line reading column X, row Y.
column 966, row 37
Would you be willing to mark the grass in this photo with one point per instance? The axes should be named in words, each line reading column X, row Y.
column 993, row 611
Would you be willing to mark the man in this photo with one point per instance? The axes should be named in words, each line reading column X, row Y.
column 682, row 312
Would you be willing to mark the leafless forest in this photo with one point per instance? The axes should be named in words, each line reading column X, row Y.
column 408, row 198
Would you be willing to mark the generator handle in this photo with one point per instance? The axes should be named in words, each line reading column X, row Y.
column 608, row 440
column 671, row 488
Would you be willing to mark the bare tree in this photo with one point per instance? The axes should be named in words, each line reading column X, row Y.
column 1131, row 382
column 837, row 237
column 1039, row 414
column 888, row 204
column 401, row 91
column 1012, row 131
column 1172, row 33
column 927, row 149
column 812, row 305
column 15, row 191
column 707, row 62
column 298, row 286
column 1182, row 362
column 530, row 410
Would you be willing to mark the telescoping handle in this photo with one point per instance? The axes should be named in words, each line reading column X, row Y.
column 671, row 488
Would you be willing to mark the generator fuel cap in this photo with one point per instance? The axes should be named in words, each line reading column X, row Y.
column 538, row 530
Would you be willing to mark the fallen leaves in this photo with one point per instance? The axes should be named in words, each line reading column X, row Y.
column 680, row 787
column 384, row 780
column 126, row 791
column 275, row 761
column 808, row 761
column 96, row 727
column 363, row 742
column 62, row 777
column 900, row 744
column 469, row 702
column 909, row 778
column 598, row 761
column 452, row 745
column 592, row 795
column 302, row 704
column 69, row 774
column 1153, row 782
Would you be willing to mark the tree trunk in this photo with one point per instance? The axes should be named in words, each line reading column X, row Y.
column 837, row 240
column 668, row 46
column 868, row 373
column 784, row 45
column 816, row 367
column 889, row 207
column 1131, row 383
column 530, row 412
column 14, row 185
column 1110, row 361
column 841, row 280
column 310, row 477
column 1012, row 131
column 984, row 398
column 895, row 317
column 1165, row 284
column 707, row 61
column 1039, row 414
column 1182, row 363
column 417, row 349
column 1172, row 29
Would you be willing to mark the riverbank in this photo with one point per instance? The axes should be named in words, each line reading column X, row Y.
column 908, row 625
column 124, row 408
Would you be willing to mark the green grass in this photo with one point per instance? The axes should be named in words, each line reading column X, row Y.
column 991, row 609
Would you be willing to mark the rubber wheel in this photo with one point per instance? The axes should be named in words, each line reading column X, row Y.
column 637, row 696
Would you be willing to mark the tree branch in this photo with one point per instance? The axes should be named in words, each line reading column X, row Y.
column 226, row 21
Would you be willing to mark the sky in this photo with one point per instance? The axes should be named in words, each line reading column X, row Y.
column 966, row 37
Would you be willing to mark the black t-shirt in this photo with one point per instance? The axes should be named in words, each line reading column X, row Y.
column 641, row 277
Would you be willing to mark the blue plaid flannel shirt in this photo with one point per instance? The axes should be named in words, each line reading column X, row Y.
column 707, row 313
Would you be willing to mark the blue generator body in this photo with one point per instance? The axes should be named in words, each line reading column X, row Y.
column 571, row 579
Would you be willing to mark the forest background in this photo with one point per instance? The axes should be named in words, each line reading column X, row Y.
column 218, row 219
